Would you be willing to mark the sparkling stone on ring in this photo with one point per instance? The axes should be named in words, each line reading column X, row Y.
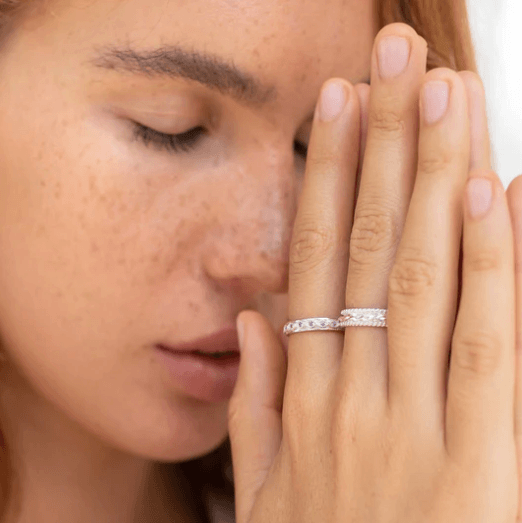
column 311, row 324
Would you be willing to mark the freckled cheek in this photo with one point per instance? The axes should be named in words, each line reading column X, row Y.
column 80, row 243
column 132, row 238
column 101, row 232
column 125, row 241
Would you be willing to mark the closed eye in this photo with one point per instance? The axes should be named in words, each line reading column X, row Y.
column 171, row 142
column 184, row 142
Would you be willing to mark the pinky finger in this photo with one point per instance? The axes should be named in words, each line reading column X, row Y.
column 480, row 394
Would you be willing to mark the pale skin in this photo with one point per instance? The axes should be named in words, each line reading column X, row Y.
column 121, row 245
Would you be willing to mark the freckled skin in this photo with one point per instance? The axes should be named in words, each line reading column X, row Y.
column 108, row 247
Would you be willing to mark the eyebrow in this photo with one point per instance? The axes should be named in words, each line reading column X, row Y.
column 175, row 62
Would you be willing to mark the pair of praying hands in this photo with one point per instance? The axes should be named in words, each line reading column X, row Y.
column 420, row 421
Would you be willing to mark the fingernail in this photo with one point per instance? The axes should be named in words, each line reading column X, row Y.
column 394, row 55
column 435, row 101
column 332, row 101
column 480, row 196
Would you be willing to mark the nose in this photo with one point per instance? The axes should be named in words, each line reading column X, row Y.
column 249, row 244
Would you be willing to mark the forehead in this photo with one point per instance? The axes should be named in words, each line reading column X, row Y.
column 294, row 45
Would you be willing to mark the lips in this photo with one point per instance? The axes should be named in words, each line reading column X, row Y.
column 224, row 340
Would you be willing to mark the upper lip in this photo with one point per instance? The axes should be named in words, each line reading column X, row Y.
column 220, row 341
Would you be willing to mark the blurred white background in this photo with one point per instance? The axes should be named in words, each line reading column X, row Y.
column 497, row 35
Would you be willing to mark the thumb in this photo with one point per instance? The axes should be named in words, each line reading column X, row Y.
column 254, row 413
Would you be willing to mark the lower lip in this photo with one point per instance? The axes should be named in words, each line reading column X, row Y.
column 201, row 377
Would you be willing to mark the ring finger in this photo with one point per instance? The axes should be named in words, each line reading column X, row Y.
column 319, row 246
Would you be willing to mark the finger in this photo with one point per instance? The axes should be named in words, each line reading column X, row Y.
column 514, row 196
column 254, row 411
column 363, row 91
column 319, row 245
column 424, row 280
column 386, row 185
column 480, row 400
column 480, row 154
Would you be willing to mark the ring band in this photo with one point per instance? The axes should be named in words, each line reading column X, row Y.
column 311, row 324
column 363, row 318
column 348, row 318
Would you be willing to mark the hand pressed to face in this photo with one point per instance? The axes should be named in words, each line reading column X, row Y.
column 375, row 422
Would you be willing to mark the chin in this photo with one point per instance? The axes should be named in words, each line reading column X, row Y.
column 182, row 435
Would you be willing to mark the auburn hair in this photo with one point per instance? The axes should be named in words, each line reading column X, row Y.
column 444, row 24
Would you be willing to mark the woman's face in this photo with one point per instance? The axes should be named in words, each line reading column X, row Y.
column 111, row 243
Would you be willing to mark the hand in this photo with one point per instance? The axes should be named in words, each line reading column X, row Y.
column 514, row 195
column 414, row 422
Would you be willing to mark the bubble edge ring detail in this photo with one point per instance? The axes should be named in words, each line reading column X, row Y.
column 311, row 324
column 363, row 318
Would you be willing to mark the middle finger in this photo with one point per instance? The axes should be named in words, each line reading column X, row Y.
column 387, row 179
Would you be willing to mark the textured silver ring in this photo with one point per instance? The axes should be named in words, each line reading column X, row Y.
column 363, row 318
column 311, row 324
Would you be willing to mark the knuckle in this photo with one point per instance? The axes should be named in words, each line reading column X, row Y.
column 385, row 123
column 374, row 232
column 476, row 353
column 483, row 261
column 311, row 246
column 413, row 274
column 433, row 162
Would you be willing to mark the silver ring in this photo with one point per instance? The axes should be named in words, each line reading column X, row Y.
column 363, row 318
column 311, row 324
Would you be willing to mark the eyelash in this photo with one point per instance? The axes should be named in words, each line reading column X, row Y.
column 170, row 142
column 185, row 141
